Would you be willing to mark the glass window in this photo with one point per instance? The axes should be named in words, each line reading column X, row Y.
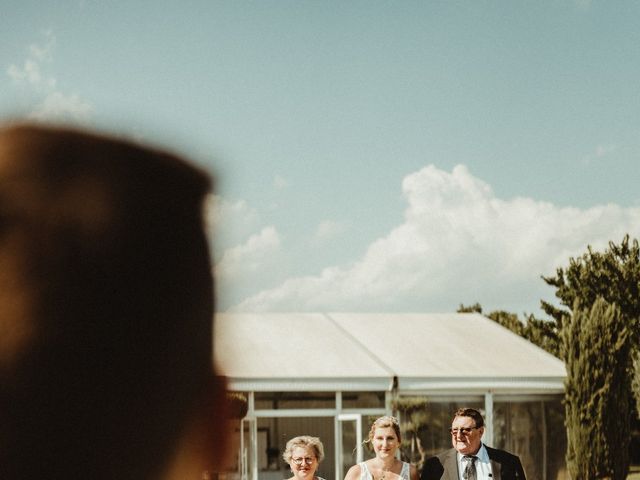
column 363, row 399
column 434, row 436
column 533, row 430
column 273, row 435
column 294, row 400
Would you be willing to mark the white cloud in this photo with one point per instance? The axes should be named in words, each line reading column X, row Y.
column 603, row 150
column 222, row 211
column 279, row 182
column 327, row 230
column 249, row 257
column 599, row 152
column 58, row 106
column 246, row 253
column 44, row 52
column 32, row 74
column 583, row 4
column 229, row 222
column 458, row 243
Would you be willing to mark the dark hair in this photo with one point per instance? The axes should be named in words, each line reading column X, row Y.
column 106, row 304
column 471, row 413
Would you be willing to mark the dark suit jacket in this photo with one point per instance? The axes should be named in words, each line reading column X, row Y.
column 444, row 466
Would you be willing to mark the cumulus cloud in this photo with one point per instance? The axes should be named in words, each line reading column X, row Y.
column 53, row 104
column 58, row 106
column 458, row 243
column 229, row 221
column 249, row 257
column 279, row 182
column 31, row 72
column 327, row 230
column 599, row 152
column 246, row 252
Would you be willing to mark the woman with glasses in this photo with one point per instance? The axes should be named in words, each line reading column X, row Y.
column 385, row 439
column 304, row 454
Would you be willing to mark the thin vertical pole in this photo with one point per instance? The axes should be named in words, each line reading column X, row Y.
column 488, row 419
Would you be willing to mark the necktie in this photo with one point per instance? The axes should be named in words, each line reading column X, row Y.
column 470, row 469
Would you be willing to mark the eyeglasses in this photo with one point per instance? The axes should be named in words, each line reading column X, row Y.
column 464, row 431
column 307, row 460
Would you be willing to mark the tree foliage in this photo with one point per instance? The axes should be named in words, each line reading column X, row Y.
column 595, row 344
column 613, row 275
column 539, row 332
column 596, row 331
column 635, row 381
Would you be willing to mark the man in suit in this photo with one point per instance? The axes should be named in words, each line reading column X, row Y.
column 470, row 459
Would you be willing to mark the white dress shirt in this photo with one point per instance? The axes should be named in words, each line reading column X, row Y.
column 483, row 465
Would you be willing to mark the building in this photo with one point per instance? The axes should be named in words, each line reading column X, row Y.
column 327, row 375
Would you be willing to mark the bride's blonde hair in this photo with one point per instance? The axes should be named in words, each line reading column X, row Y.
column 386, row 421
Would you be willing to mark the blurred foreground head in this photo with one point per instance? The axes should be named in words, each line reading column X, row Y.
column 106, row 308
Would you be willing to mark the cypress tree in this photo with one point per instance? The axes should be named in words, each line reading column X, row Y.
column 596, row 345
column 613, row 275
column 635, row 382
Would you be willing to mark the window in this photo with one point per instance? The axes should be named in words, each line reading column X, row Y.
column 363, row 399
column 534, row 430
column 294, row 400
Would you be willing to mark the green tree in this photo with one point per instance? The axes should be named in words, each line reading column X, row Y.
column 635, row 382
column 508, row 320
column 475, row 308
column 595, row 344
column 539, row 332
column 613, row 275
column 543, row 333
column 612, row 278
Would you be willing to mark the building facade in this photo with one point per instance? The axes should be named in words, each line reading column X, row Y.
column 330, row 375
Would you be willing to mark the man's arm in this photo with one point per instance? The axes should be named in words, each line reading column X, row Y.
column 519, row 470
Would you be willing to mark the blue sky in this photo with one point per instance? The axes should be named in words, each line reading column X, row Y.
column 396, row 156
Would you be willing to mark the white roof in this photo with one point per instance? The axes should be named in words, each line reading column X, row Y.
column 350, row 351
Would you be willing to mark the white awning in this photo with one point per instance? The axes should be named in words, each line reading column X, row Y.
column 428, row 353
column 293, row 352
